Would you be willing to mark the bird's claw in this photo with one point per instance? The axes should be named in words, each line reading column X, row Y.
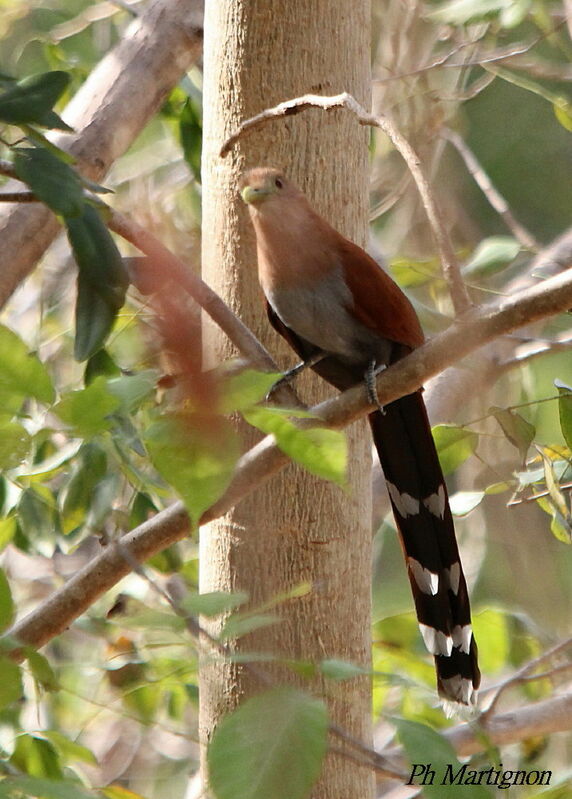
column 370, row 384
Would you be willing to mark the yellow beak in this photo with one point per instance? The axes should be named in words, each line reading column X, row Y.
column 253, row 195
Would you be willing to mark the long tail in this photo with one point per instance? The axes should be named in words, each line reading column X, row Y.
column 403, row 439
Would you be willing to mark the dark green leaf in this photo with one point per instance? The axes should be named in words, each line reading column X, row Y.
column 191, row 134
column 32, row 99
column 15, row 443
column 195, row 456
column 565, row 411
column 242, row 764
column 454, row 445
column 77, row 494
column 100, row 363
column 22, row 374
column 86, row 411
column 142, row 509
column 36, row 514
column 94, row 318
column 426, row 749
column 322, row 452
column 102, row 280
column 213, row 603
column 519, row 432
column 51, row 180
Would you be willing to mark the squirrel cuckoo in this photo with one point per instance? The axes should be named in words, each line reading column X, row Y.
column 331, row 301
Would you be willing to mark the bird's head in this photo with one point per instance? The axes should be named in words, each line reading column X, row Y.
column 263, row 185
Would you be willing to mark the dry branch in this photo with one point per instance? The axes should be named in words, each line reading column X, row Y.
column 110, row 109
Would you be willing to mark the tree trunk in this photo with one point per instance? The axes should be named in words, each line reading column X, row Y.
column 297, row 528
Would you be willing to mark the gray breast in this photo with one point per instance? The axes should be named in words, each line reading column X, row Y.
column 319, row 315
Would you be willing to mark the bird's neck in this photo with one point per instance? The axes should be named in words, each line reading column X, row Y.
column 282, row 260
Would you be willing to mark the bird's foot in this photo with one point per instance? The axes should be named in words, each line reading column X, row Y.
column 292, row 373
column 370, row 384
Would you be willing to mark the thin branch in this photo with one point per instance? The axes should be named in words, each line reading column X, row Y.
column 259, row 464
column 494, row 197
column 18, row 197
column 524, row 672
column 451, row 268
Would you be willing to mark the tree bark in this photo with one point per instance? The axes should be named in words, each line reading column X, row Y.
column 296, row 528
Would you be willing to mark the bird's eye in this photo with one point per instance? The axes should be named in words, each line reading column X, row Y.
column 278, row 183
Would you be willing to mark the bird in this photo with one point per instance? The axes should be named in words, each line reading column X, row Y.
column 345, row 317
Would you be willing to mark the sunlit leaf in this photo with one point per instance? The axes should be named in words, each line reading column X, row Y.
column 563, row 113
column 69, row 751
column 87, row 410
column 241, row 763
column 21, row 373
column 491, row 256
column 462, row 12
column 6, row 603
column 118, row 792
column 491, row 632
column 195, row 456
column 15, row 443
column 247, row 388
column 322, row 452
column 454, row 445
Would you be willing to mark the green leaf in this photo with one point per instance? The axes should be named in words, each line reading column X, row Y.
column 239, row 625
column 51, row 180
column 133, row 390
column 427, row 750
column 196, row 456
column 11, row 683
column 565, row 411
column 243, row 765
column 491, row 256
column 191, row 135
column 77, row 494
column 70, row 751
column 491, row 630
column 102, row 280
column 41, row 670
column 100, row 363
column 31, row 99
column 335, row 669
column 15, row 443
column 36, row 757
column 22, row 374
column 563, row 113
column 6, row 603
column 462, row 12
column 519, row 432
column 454, row 445
column 118, row 792
column 36, row 514
column 322, row 452
column 213, row 603
column 410, row 273
column 45, row 788
column 463, row 502
column 87, row 410
column 247, row 388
